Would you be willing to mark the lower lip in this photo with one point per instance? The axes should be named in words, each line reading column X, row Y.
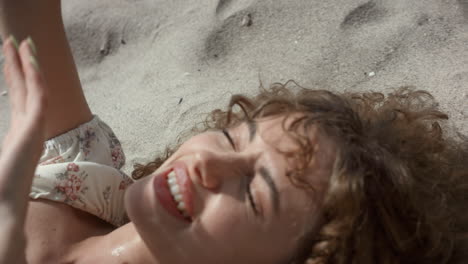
column 165, row 197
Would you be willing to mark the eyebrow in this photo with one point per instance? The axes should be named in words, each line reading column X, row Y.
column 274, row 194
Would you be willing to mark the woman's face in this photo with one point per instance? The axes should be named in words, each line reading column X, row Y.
column 243, row 208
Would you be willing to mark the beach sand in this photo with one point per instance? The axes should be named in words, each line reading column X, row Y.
column 153, row 69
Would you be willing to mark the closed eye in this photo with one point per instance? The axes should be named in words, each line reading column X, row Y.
column 249, row 178
column 249, row 194
column 228, row 136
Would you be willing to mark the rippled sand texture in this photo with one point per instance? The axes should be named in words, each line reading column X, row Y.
column 152, row 69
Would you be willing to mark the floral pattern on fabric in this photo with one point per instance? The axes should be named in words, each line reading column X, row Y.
column 73, row 167
column 70, row 183
column 86, row 140
column 81, row 168
column 106, row 194
column 118, row 158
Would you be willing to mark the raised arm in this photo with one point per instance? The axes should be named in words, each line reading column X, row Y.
column 42, row 21
column 22, row 145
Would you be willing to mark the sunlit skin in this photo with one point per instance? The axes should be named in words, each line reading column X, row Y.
column 227, row 227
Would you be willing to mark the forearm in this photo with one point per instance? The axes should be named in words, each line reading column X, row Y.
column 17, row 165
column 19, row 162
column 22, row 145
column 39, row 19
column 14, row 193
column 17, row 16
column 13, row 242
column 42, row 20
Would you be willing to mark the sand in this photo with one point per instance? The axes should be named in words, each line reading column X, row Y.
column 152, row 69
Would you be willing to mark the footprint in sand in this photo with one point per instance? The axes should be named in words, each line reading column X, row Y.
column 227, row 8
column 363, row 14
column 464, row 8
column 232, row 16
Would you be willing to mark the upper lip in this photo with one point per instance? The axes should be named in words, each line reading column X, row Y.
column 186, row 186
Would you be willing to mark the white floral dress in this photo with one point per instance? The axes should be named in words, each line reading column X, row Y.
column 82, row 169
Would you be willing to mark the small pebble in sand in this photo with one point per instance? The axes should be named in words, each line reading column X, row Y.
column 247, row 20
column 4, row 93
column 371, row 74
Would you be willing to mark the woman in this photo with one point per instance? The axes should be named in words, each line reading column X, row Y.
column 328, row 178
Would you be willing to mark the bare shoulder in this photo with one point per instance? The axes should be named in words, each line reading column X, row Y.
column 52, row 228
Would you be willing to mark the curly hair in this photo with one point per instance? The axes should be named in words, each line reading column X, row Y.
column 398, row 192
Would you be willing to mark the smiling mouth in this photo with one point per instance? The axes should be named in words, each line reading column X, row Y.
column 175, row 190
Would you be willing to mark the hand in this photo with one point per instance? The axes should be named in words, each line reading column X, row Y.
column 27, row 95
column 22, row 145
column 23, row 142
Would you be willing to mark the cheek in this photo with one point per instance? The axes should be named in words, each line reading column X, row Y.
column 226, row 223
column 220, row 215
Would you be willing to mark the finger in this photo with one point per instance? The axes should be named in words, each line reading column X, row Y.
column 33, row 79
column 36, row 101
column 14, row 74
column 35, row 84
column 28, row 57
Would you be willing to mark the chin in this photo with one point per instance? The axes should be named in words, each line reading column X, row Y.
column 138, row 200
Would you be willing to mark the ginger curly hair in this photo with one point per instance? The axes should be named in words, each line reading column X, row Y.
column 398, row 192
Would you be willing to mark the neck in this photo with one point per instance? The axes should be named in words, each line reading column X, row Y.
column 123, row 245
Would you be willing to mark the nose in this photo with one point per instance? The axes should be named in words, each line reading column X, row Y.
column 213, row 169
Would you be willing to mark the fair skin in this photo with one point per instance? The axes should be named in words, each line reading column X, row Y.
column 21, row 146
column 57, row 233
column 220, row 174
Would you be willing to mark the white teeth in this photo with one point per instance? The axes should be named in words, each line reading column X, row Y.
column 181, row 206
column 175, row 191
column 178, row 197
column 171, row 174
column 172, row 180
